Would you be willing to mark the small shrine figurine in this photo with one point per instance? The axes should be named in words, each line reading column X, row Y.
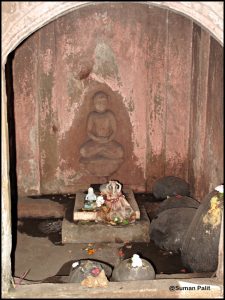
column 116, row 209
column 100, row 200
column 136, row 261
column 90, row 199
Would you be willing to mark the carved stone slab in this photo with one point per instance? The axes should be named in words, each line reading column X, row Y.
column 79, row 215
column 76, row 232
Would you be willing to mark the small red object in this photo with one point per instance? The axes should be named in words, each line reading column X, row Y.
column 95, row 271
column 121, row 253
column 183, row 270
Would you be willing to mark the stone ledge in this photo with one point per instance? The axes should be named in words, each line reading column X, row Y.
column 104, row 233
column 39, row 208
column 131, row 289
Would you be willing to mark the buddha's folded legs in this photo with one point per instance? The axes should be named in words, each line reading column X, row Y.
column 110, row 150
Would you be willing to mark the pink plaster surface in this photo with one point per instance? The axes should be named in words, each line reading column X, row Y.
column 156, row 107
column 200, row 120
column 26, row 109
column 178, row 95
column 142, row 58
column 133, row 91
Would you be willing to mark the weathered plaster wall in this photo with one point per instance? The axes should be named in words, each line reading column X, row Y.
column 19, row 20
column 206, row 115
column 55, row 73
column 147, row 59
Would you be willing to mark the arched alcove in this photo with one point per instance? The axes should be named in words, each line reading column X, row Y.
column 153, row 59
column 204, row 87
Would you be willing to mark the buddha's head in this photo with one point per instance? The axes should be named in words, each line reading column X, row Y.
column 100, row 101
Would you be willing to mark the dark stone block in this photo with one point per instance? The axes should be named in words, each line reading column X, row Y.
column 175, row 202
column 170, row 186
column 168, row 229
column 199, row 250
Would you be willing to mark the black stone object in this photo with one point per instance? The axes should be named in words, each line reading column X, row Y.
column 199, row 250
column 170, row 186
column 168, row 229
column 84, row 268
column 176, row 202
column 125, row 272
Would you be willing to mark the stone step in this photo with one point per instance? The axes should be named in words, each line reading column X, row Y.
column 39, row 208
column 91, row 232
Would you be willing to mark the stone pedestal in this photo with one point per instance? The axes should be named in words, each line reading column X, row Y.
column 91, row 232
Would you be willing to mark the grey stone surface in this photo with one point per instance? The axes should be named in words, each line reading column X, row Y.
column 45, row 259
column 148, row 289
column 104, row 233
column 125, row 272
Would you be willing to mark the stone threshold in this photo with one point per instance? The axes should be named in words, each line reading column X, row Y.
column 160, row 288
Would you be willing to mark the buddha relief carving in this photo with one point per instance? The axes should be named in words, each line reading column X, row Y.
column 101, row 154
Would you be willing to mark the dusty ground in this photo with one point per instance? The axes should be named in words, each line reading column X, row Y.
column 40, row 254
column 44, row 259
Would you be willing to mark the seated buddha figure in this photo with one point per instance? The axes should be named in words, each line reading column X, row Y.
column 101, row 130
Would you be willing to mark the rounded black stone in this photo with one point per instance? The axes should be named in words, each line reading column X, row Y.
column 81, row 271
column 125, row 272
column 168, row 229
column 199, row 251
column 176, row 202
column 170, row 186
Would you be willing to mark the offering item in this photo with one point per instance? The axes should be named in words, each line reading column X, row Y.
column 90, row 200
column 116, row 210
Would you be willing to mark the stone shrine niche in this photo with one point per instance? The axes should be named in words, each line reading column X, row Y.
column 104, row 150
column 141, row 60
column 101, row 154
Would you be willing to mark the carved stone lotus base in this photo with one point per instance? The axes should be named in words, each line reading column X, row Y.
column 101, row 167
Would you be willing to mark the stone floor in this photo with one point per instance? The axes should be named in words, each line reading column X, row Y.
column 42, row 255
column 40, row 258
column 44, row 259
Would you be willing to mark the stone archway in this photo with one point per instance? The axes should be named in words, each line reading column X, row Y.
column 21, row 19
